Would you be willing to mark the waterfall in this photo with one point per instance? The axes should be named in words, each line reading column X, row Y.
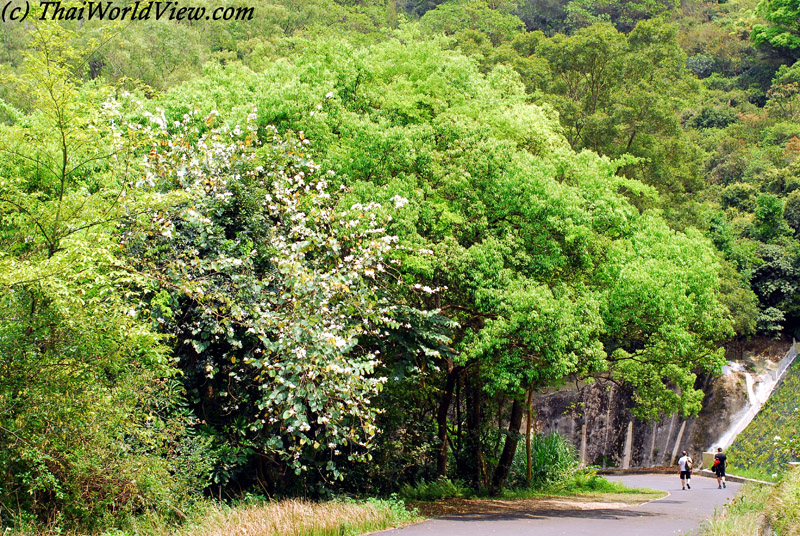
column 740, row 421
column 757, row 394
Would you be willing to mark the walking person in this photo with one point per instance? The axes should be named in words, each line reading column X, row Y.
column 720, row 464
column 685, row 466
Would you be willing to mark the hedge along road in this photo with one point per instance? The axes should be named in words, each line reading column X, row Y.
column 681, row 512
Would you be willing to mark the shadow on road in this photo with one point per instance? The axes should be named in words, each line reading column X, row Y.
column 512, row 515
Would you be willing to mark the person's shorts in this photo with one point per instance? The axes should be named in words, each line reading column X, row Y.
column 686, row 475
column 720, row 472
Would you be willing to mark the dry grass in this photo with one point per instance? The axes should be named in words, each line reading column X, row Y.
column 301, row 518
column 275, row 518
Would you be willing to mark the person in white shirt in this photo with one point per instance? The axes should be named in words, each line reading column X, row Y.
column 685, row 465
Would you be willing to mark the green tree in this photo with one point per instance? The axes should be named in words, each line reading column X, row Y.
column 460, row 16
column 781, row 32
column 623, row 14
column 547, row 16
column 769, row 223
column 272, row 292
column 90, row 419
column 533, row 247
column 783, row 97
column 620, row 94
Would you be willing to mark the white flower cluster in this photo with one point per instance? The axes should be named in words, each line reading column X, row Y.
column 319, row 296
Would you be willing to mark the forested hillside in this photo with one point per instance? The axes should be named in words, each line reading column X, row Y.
column 335, row 248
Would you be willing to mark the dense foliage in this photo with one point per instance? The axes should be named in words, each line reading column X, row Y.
column 340, row 246
column 93, row 421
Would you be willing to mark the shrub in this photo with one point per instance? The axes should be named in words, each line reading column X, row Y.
column 784, row 509
column 739, row 195
column 553, row 460
column 89, row 431
column 759, row 509
column 714, row 117
column 701, row 65
column 443, row 488
column 587, row 480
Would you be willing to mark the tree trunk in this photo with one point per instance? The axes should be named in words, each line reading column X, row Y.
column 512, row 439
column 441, row 418
column 459, row 440
column 528, row 423
column 474, row 457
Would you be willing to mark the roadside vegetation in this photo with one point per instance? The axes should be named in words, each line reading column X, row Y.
column 300, row 518
column 557, row 474
column 337, row 249
column 760, row 509
column 257, row 516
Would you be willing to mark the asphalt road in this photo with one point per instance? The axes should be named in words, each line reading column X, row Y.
column 679, row 513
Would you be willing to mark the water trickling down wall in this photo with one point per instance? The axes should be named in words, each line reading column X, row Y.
column 597, row 419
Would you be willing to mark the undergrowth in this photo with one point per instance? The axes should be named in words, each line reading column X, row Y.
column 443, row 488
column 553, row 460
column 555, row 470
column 759, row 509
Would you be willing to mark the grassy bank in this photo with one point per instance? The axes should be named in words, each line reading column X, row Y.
column 583, row 489
column 541, row 502
column 303, row 518
column 266, row 518
column 588, row 485
column 756, row 473
column 760, row 509
column 351, row 518
column 764, row 447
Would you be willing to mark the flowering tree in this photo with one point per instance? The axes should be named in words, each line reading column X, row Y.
column 270, row 291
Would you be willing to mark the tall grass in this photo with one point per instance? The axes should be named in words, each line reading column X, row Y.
column 756, row 473
column 263, row 518
column 553, row 460
column 443, row 488
column 784, row 507
column 744, row 516
column 303, row 518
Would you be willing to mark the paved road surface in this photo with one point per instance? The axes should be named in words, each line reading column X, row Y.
column 679, row 513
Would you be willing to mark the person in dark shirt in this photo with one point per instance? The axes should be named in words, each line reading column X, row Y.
column 720, row 464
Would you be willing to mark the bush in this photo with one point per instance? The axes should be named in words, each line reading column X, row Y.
column 701, row 65
column 759, row 509
column 739, row 195
column 784, row 509
column 443, row 488
column 587, row 480
column 714, row 117
column 90, row 432
column 553, row 460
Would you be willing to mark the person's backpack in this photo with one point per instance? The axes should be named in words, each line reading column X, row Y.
column 716, row 463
